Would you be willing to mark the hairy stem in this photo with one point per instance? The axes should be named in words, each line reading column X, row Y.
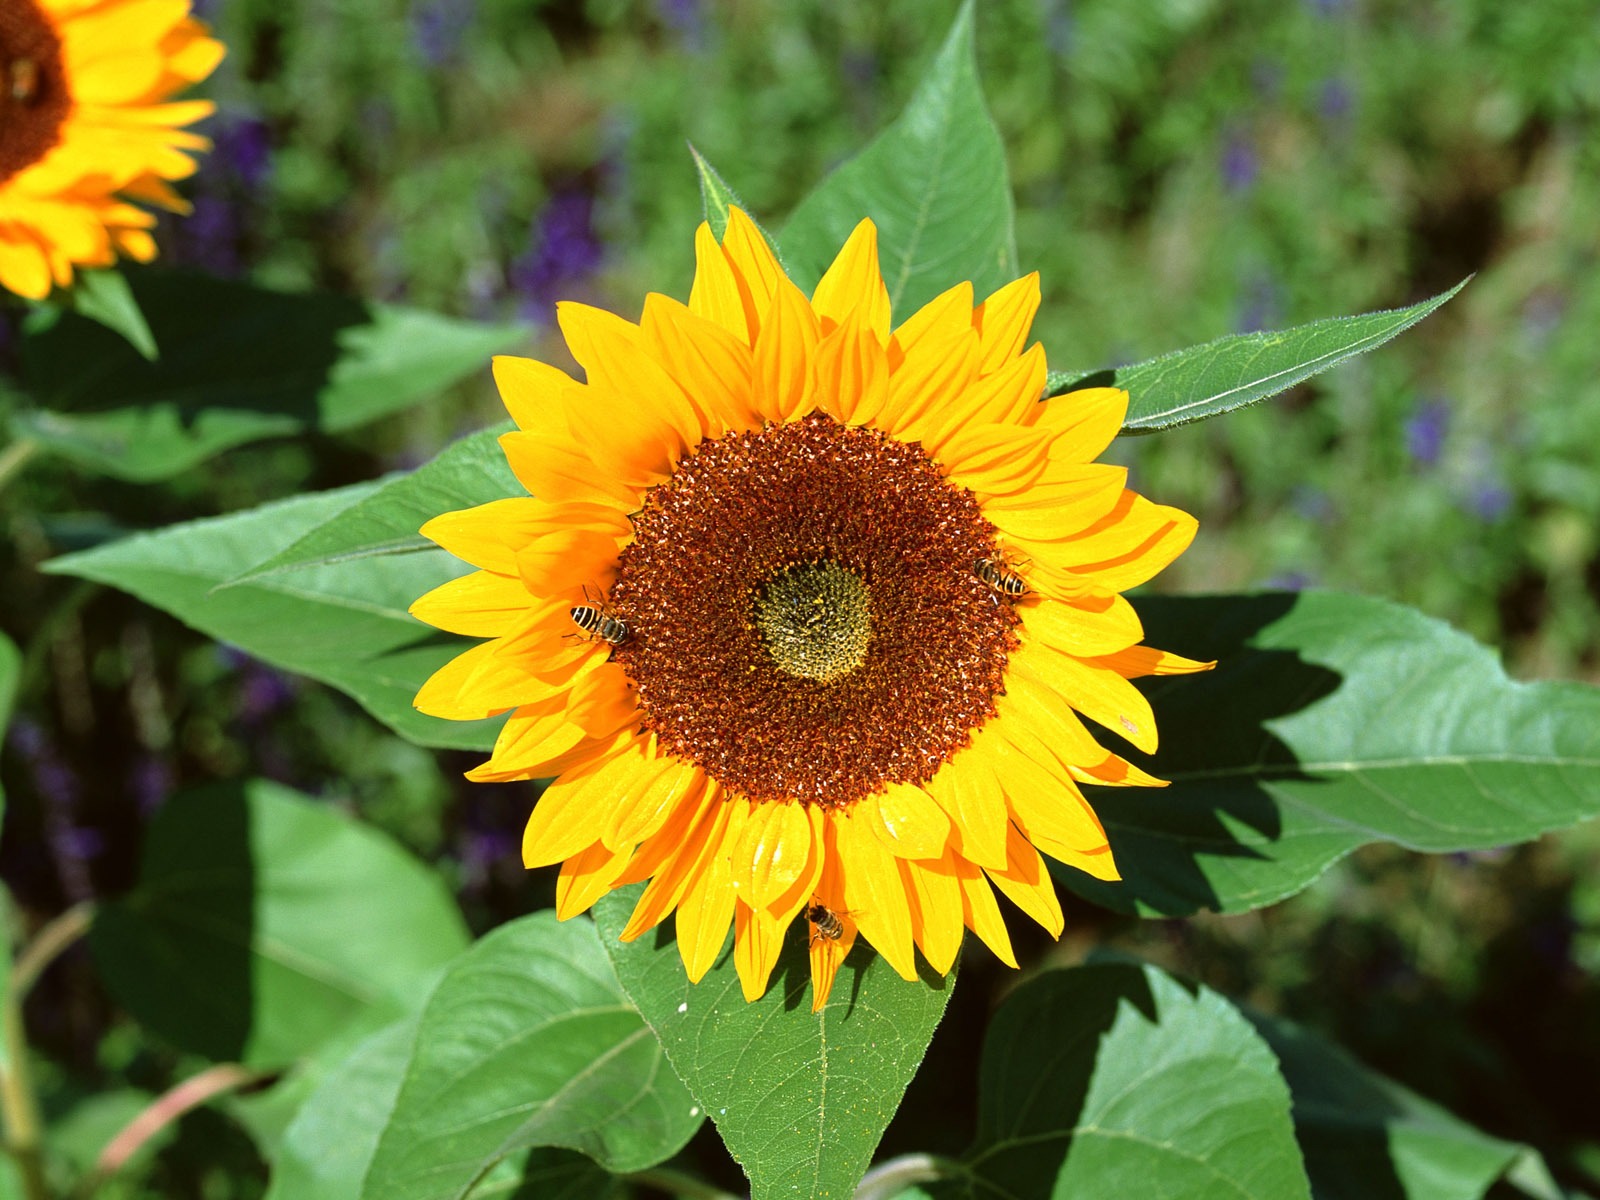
column 889, row 1179
column 162, row 1111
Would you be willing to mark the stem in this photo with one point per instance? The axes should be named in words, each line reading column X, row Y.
column 889, row 1179
column 59, row 933
column 687, row 1187
column 17, row 1099
column 161, row 1112
column 15, row 456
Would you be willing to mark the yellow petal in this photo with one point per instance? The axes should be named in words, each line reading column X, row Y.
column 1060, row 504
column 712, row 365
column 851, row 373
column 853, row 285
column 706, row 909
column 1138, row 661
column 482, row 604
column 754, row 264
column 535, row 394
column 772, row 853
column 874, row 893
column 757, row 942
column 1084, row 422
column 1026, row 883
column 1097, row 692
column 785, row 352
column 973, row 800
column 1086, row 627
column 943, row 319
column 907, row 821
column 1004, row 319
column 936, row 912
column 827, row 954
column 683, row 864
column 981, row 913
column 994, row 459
column 643, row 809
column 572, row 813
column 490, row 535
column 715, row 294
column 585, row 877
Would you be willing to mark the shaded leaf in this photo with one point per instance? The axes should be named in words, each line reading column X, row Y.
column 264, row 924
column 528, row 1041
column 105, row 296
column 934, row 183
column 800, row 1098
column 1367, row 1138
column 1332, row 721
column 385, row 521
column 1116, row 1080
column 240, row 363
column 1232, row 372
column 344, row 624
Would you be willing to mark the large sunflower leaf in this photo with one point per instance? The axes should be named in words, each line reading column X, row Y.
column 528, row 1041
column 344, row 623
column 1364, row 1135
column 386, row 521
column 1332, row 721
column 1232, row 372
column 328, row 1147
column 264, row 924
column 800, row 1098
column 238, row 363
column 935, row 184
column 1116, row 1080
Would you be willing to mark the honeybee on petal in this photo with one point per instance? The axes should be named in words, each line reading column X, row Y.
column 1000, row 577
column 595, row 619
column 22, row 80
column 826, row 925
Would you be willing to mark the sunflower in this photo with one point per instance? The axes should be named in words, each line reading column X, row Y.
column 804, row 613
column 84, row 130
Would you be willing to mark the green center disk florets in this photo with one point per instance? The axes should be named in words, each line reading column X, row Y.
column 816, row 620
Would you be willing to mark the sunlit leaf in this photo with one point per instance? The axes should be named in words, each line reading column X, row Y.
column 800, row 1098
column 1364, row 1135
column 1231, row 372
column 1116, row 1080
column 1332, row 721
column 385, row 521
column 264, row 923
column 239, row 363
column 528, row 1041
column 344, row 623
column 934, row 183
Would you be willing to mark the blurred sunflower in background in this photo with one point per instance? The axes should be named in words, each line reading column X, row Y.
column 804, row 612
column 87, row 134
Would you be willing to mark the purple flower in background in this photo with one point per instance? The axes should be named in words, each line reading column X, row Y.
column 438, row 28
column 687, row 19
column 1426, row 429
column 1312, row 503
column 243, row 147
column 1542, row 314
column 1262, row 305
column 1336, row 100
column 1266, row 78
column 151, row 781
column 1329, row 8
column 1488, row 500
column 563, row 249
column 1289, row 581
column 1058, row 26
column 1238, row 161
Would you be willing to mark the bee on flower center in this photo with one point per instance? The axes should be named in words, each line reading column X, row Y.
column 825, row 923
column 22, row 80
column 1000, row 577
column 595, row 619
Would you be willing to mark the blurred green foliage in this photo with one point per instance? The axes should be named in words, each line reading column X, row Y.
column 1183, row 169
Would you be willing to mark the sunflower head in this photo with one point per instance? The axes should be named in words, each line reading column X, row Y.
column 866, row 591
column 86, row 128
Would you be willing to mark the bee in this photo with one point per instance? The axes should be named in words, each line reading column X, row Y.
column 596, row 620
column 1000, row 577
column 825, row 923
column 22, row 80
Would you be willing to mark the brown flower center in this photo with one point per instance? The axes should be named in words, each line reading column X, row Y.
column 33, row 94
column 803, row 616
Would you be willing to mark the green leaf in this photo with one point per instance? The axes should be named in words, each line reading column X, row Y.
column 934, row 183
column 471, row 471
column 528, row 1041
column 264, row 924
column 1332, row 721
column 329, row 1145
column 10, row 677
column 105, row 296
column 715, row 195
column 801, row 1098
column 344, row 624
column 1364, row 1135
column 1116, row 1080
column 1231, row 372
column 241, row 363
